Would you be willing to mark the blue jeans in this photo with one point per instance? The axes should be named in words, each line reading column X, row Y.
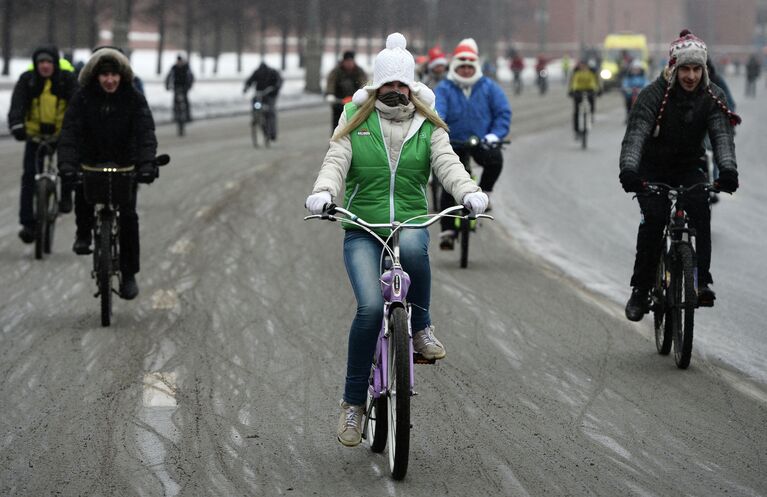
column 362, row 254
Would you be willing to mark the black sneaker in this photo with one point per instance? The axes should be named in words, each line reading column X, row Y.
column 128, row 287
column 446, row 240
column 706, row 296
column 82, row 245
column 27, row 234
column 65, row 204
column 638, row 304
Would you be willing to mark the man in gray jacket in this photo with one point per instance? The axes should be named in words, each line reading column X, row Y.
column 664, row 143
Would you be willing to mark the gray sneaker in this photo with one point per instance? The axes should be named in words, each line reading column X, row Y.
column 350, row 424
column 426, row 344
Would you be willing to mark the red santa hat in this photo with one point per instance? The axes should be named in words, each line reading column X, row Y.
column 436, row 57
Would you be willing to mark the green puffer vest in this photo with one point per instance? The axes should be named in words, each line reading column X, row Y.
column 374, row 191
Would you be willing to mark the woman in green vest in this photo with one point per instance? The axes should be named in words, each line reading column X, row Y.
column 386, row 142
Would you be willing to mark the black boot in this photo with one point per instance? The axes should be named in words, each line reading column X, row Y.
column 27, row 234
column 82, row 245
column 638, row 304
column 706, row 296
column 65, row 203
column 128, row 287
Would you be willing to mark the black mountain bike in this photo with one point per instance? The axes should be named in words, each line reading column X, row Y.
column 180, row 111
column 674, row 298
column 263, row 117
column 584, row 117
column 464, row 227
column 46, row 198
column 107, row 186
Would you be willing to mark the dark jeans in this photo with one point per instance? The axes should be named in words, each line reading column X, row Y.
column 337, row 110
column 655, row 212
column 26, row 209
column 185, row 99
column 577, row 99
column 129, row 235
column 491, row 160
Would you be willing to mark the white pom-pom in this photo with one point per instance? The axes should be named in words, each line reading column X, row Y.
column 360, row 97
column 396, row 40
column 423, row 93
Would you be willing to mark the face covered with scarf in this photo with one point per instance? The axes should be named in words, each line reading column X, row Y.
column 394, row 93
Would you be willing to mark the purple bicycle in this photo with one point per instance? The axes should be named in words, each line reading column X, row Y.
column 387, row 410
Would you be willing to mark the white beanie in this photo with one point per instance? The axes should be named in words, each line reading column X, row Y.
column 393, row 63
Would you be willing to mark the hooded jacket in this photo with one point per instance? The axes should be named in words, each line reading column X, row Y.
column 101, row 127
column 26, row 110
column 687, row 118
column 486, row 110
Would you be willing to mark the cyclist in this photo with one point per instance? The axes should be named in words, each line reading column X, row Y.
column 39, row 100
column 517, row 66
column 108, row 120
column 472, row 105
column 633, row 83
column 436, row 67
column 584, row 81
column 386, row 142
column 262, row 78
column 341, row 84
column 180, row 79
column 664, row 143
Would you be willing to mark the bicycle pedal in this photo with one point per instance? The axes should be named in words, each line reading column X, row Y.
column 419, row 359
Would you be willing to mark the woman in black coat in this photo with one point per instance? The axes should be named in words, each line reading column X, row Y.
column 108, row 120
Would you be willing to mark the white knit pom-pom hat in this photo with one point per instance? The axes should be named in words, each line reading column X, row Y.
column 393, row 63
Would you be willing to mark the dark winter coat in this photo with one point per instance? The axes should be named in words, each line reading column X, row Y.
column 342, row 84
column 180, row 78
column 264, row 77
column 686, row 120
column 101, row 127
column 30, row 86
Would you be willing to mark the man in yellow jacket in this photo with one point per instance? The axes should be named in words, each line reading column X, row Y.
column 583, row 82
column 38, row 104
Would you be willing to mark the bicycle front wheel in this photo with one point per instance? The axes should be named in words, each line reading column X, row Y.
column 465, row 230
column 684, row 306
column 663, row 318
column 255, row 127
column 104, row 272
column 585, row 130
column 399, row 393
column 376, row 410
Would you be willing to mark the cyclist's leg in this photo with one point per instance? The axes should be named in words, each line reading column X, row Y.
column 26, row 210
column 700, row 218
column 577, row 97
column 129, row 238
column 187, row 107
column 592, row 103
column 446, row 200
column 414, row 252
column 491, row 161
column 649, row 239
column 361, row 257
column 272, row 117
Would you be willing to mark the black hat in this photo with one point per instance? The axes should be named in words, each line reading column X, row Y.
column 107, row 65
column 348, row 55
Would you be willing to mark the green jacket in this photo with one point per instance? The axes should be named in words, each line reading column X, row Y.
column 380, row 192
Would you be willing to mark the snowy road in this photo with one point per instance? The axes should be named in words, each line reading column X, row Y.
column 223, row 377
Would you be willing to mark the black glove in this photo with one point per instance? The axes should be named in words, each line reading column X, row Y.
column 727, row 181
column 631, row 181
column 19, row 133
column 67, row 173
column 146, row 173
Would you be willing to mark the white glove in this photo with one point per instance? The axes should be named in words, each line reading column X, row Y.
column 490, row 138
column 316, row 201
column 330, row 98
column 476, row 202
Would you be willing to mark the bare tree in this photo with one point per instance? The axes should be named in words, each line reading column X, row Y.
column 7, row 38
column 161, row 4
column 93, row 31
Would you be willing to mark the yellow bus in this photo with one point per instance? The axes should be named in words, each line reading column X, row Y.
column 618, row 50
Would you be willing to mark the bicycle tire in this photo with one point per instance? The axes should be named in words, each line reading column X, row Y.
column 684, row 310
column 53, row 213
column 377, row 425
column 663, row 319
column 254, row 127
column 399, row 393
column 41, row 217
column 465, row 229
column 585, row 130
column 104, row 272
column 180, row 127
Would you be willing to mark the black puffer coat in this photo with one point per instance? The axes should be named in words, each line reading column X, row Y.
column 684, row 124
column 101, row 127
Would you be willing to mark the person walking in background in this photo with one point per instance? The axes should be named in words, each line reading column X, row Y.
column 753, row 70
column 180, row 80
column 38, row 104
column 342, row 82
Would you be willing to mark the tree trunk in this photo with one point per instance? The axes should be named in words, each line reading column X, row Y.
column 51, row 29
column 7, row 31
column 284, row 42
column 73, row 28
column 238, row 33
column 262, row 42
column 93, row 28
column 121, row 24
column 188, row 29
column 313, row 48
column 216, row 39
column 161, row 32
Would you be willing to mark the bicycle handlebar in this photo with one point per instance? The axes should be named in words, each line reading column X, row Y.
column 659, row 188
column 475, row 141
column 330, row 211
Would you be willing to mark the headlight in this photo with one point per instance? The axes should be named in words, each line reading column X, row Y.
column 606, row 74
column 256, row 105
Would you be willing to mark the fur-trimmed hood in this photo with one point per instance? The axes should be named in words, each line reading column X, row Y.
column 106, row 54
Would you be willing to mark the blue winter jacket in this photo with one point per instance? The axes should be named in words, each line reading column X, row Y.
column 632, row 81
column 486, row 111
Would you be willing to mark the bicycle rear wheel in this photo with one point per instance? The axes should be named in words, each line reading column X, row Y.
column 465, row 229
column 684, row 306
column 53, row 213
column 399, row 393
column 104, row 272
column 663, row 318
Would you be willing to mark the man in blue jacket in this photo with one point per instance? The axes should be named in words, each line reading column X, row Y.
column 472, row 105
